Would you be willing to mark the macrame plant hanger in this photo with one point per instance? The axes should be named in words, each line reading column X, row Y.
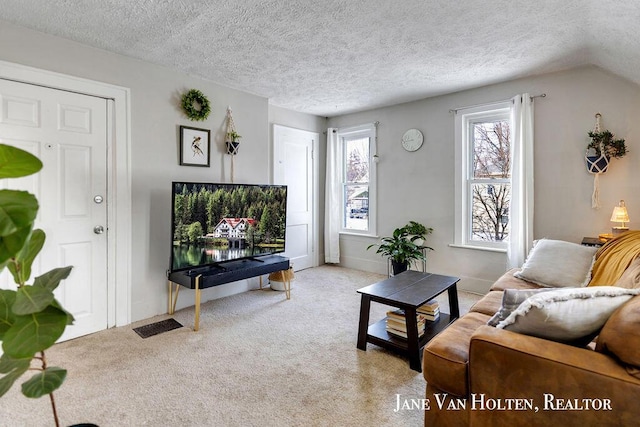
column 597, row 166
column 232, row 146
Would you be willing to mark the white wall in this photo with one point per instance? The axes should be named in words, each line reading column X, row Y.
column 420, row 186
column 155, row 119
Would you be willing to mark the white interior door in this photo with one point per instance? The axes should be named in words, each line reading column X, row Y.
column 68, row 132
column 294, row 167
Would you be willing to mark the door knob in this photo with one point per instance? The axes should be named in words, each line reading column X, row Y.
column 98, row 229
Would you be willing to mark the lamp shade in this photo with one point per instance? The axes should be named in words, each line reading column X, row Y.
column 620, row 213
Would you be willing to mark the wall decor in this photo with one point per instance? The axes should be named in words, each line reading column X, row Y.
column 232, row 139
column 412, row 140
column 601, row 149
column 196, row 105
column 195, row 146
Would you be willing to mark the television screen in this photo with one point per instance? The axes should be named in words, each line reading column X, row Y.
column 213, row 223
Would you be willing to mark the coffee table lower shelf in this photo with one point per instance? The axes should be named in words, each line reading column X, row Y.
column 377, row 334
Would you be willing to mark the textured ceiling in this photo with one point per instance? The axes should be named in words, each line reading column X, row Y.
column 338, row 56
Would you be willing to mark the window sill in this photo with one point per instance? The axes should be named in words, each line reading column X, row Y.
column 349, row 233
column 479, row 248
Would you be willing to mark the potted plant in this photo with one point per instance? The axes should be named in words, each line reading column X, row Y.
column 417, row 232
column 404, row 246
column 31, row 319
column 603, row 147
column 233, row 142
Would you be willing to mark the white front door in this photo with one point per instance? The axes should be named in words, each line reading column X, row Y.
column 68, row 132
column 294, row 167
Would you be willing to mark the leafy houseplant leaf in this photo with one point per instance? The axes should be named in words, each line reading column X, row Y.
column 15, row 162
column 51, row 279
column 44, row 382
column 7, row 317
column 70, row 317
column 21, row 269
column 34, row 332
column 13, row 243
column 14, row 368
column 8, row 364
column 18, row 210
column 32, row 299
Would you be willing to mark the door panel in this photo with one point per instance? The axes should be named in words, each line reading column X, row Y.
column 294, row 167
column 67, row 131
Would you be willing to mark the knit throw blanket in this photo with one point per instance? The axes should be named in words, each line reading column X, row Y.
column 613, row 258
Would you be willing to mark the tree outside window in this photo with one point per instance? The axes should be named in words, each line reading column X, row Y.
column 490, row 181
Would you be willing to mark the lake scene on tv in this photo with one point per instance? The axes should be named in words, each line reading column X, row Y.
column 213, row 223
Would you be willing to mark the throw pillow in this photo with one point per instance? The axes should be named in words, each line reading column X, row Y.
column 630, row 279
column 567, row 315
column 620, row 336
column 511, row 299
column 554, row 263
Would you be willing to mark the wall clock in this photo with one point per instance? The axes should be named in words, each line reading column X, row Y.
column 412, row 140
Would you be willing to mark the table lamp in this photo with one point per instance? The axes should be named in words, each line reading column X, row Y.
column 620, row 215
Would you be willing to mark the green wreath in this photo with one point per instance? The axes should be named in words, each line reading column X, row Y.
column 193, row 99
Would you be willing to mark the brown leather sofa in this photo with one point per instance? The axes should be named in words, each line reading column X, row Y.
column 478, row 375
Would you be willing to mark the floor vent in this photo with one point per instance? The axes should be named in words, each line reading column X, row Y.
column 152, row 329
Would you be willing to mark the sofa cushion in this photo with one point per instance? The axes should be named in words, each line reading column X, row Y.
column 620, row 335
column 509, row 281
column 511, row 300
column 445, row 357
column 554, row 263
column 488, row 304
column 630, row 279
column 567, row 315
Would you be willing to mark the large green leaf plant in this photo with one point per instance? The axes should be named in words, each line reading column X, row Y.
column 31, row 319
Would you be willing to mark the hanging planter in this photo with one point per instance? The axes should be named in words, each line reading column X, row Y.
column 597, row 164
column 232, row 143
column 601, row 149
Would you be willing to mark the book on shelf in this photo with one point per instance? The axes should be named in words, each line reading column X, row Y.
column 402, row 326
column 396, row 323
column 429, row 311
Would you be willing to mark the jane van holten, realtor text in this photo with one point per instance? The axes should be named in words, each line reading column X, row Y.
column 481, row 402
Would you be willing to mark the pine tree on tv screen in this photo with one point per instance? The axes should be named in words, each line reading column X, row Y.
column 221, row 222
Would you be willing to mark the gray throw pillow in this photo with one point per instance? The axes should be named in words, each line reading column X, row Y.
column 555, row 264
column 511, row 299
column 567, row 314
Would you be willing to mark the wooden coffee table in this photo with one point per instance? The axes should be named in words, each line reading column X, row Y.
column 407, row 291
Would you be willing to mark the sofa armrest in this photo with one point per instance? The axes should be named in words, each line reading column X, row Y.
column 567, row 385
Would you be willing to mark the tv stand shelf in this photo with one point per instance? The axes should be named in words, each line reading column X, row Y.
column 219, row 274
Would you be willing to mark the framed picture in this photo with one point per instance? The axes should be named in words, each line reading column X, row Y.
column 195, row 145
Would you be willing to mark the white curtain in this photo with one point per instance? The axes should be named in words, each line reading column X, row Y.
column 521, row 206
column 333, row 199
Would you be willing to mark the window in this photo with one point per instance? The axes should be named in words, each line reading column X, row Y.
column 483, row 178
column 358, row 179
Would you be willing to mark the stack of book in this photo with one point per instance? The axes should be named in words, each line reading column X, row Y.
column 397, row 325
column 396, row 320
column 430, row 311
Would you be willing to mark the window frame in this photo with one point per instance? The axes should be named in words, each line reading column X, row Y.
column 344, row 135
column 464, row 120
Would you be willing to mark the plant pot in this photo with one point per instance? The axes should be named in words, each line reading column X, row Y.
column 597, row 164
column 232, row 147
column 398, row 267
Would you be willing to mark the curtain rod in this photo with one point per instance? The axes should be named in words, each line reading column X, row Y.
column 375, row 124
column 455, row 110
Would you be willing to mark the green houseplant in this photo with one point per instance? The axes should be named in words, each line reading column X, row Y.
column 31, row 319
column 603, row 147
column 605, row 142
column 233, row 142
column 404, row 246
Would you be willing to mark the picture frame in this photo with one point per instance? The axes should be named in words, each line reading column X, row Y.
column 195, row 146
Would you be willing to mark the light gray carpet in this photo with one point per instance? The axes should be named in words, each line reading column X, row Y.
column 258, row 360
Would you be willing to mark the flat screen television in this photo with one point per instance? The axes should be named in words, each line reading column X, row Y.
column 215, row 223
